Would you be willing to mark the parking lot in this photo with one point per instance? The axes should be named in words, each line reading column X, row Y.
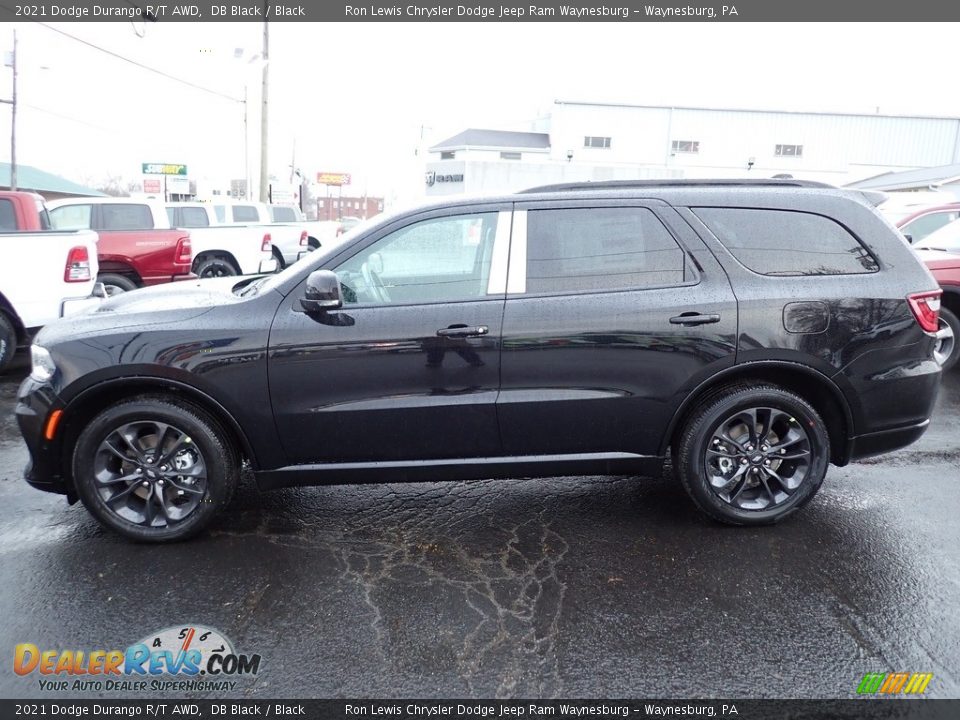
column 602, row 587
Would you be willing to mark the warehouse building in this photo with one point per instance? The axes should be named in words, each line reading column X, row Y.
column 579, row 141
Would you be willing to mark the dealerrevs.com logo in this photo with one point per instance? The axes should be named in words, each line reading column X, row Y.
column 180, row 658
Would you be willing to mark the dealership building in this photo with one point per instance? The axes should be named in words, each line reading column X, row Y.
column 580, row 141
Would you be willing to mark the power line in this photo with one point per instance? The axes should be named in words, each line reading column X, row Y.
column 142, row 66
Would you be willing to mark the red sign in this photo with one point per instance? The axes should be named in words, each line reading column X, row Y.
column 151, row 186
column 333, row 178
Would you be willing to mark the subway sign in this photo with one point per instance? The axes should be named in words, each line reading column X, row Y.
column 164, row 169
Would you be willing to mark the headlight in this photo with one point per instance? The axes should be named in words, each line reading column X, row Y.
column 43, row 366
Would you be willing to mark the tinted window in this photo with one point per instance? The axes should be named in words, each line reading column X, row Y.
column 71, row 217
column 600, row 249
column 283, row 214
column 439, row 260
column 125, row 217
column 245, row 213
column 194, row 217
column 926, row 224
column 8, row 218
column 783, row 242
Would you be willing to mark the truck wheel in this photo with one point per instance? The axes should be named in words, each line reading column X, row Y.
column 279, row 256
column 752, row 454
column 215, row 266
column 154, row 469
column 948, row 335
column 116, row 284
column 8, row 342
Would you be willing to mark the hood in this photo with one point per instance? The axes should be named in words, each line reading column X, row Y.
column 195, row 294
column 168, row 304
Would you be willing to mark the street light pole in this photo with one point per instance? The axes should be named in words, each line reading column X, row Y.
column 264, row 174
column 12, row 102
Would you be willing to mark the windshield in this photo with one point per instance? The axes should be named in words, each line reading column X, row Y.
column 946, row 238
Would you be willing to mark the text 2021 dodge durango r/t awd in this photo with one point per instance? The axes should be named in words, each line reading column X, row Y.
column 755, row 331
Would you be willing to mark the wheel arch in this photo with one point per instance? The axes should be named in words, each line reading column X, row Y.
column 82, row 408
column 225, row 254
column 816, row 388
column 6, row 307
column 951, row 298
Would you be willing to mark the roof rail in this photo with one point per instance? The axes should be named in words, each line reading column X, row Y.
column 667, row 183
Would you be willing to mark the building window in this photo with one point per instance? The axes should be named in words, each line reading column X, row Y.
column 686, row 146
column 509, row 156
column 321, row 203
column 447, row 155
column 592, row 141
column 789, row 151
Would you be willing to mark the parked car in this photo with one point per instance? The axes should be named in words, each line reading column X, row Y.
column 920, row 223
column 755, row 332
column 44, row 275
column 223, row 250
column 290, row 242
column 940, row 251
column 136, row 248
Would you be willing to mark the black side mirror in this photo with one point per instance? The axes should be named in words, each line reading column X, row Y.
column 909, row 238
column 322, row 292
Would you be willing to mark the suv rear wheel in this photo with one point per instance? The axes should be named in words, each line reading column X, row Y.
column 154, row 469
column 752, row 455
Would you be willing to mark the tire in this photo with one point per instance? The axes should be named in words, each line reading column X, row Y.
column 116, row 284
column 948, row 344
column 709, row 468
column 279, row 256
column 214, row 266
column 8, row 341
column 132, row 497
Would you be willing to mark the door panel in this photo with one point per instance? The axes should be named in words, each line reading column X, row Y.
column 398, row 373
column 603, row 371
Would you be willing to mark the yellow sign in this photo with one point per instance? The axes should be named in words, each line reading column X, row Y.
column 332, row 178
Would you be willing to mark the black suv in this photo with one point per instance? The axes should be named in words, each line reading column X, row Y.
column 756, row 332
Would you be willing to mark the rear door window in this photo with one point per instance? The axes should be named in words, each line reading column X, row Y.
column 8, row 218
column 787, row 242
column 599, row 249
column 194, row 217
column 125, row 216
column 283, row 214
column 71, row 217
column 245, row 213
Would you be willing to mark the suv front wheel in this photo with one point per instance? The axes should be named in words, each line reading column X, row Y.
column 752, row 455
column 154, row 469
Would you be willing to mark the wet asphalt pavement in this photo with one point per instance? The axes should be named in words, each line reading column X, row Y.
column 571, row 587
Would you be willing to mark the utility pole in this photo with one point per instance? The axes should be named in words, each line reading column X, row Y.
column 264, row 174
column 246, row 145
column 12, row 102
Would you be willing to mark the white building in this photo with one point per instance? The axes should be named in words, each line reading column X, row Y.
column 596, row 141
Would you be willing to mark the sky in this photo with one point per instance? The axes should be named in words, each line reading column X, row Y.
column 362, row 97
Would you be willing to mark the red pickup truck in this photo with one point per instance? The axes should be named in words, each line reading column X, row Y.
column 137, row 245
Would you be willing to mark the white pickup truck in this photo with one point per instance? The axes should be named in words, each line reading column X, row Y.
column 325, row 233
column 58, row 281
column 290, row 241
column 221, row 250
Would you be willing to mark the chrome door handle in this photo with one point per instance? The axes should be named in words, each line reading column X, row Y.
column 463, row 331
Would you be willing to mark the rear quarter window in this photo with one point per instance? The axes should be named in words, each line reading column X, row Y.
column 787, row 242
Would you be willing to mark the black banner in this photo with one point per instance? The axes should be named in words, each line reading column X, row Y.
column 480, row 11
column 868, row 709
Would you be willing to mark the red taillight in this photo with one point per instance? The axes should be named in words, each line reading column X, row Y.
column 184, row 251
column 926, row 309
column 267, row 244
column 303, row 238
column 78, row 265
